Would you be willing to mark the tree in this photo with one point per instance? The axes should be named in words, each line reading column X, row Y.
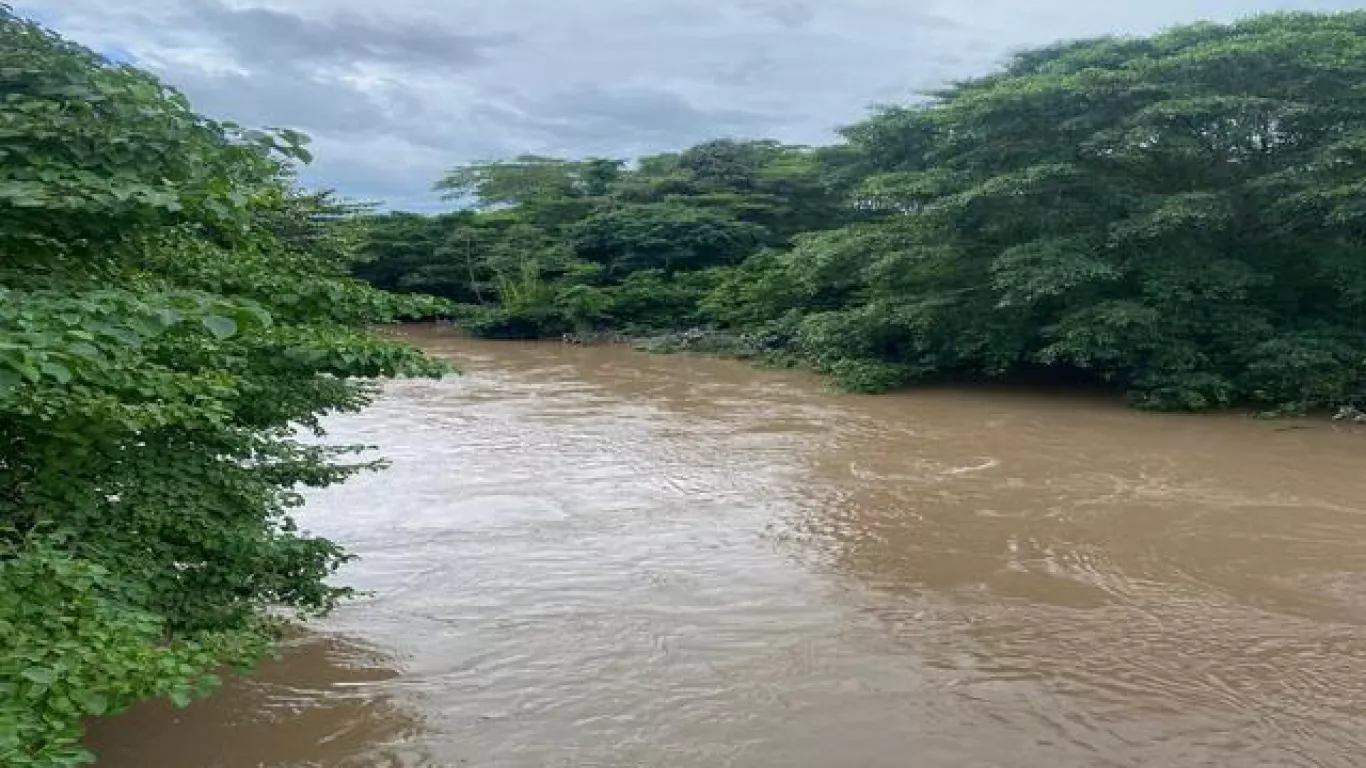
column 728, row 164
column 172, row 310
column 398, row 251
column 1179, row 215
column 665, row 236
column 528, row 179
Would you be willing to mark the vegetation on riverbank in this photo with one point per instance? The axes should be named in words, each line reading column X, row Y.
column 1180, row 216
column 172, row 308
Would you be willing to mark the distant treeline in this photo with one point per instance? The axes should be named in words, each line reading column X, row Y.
column 1179, row 216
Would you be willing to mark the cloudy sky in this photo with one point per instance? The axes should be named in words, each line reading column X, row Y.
column 394, row 92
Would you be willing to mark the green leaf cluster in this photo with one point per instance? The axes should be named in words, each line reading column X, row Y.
column 173, row 313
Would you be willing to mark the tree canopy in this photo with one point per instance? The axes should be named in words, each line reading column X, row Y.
column 1178, row 216
column 172, row 311
column 1173, row 214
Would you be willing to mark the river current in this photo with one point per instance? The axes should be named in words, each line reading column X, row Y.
column 597, row 557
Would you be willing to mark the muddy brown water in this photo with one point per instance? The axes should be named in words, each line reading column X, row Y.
column 596, row 557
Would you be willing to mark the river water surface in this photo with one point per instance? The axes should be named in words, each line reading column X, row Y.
column 596, row 557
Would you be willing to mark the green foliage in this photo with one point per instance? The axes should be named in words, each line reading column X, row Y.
column 657, row 300
column 1180, row 216
column 1174, row 215
column 1166, row 227
column 529, row 179
column 557, row 246
column 663, row 236
column 764, row 287
column 172, row 312
column 74, row 648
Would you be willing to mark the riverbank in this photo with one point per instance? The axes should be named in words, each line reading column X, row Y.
column 773, row 350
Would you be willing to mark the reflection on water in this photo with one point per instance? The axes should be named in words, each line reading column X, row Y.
column 593, row 557
column 327, row 701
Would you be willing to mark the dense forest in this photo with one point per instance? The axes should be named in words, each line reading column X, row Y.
column 1179, row 217
column 173, row 311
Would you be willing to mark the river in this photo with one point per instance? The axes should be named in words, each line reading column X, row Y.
column 597, row 557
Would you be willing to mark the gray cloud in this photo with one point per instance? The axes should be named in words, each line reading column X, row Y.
column 268, row 37
column 282, row 101
column 396, row 92
column 598, row 114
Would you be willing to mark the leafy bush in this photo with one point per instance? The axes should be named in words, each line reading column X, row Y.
column 172, row 311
